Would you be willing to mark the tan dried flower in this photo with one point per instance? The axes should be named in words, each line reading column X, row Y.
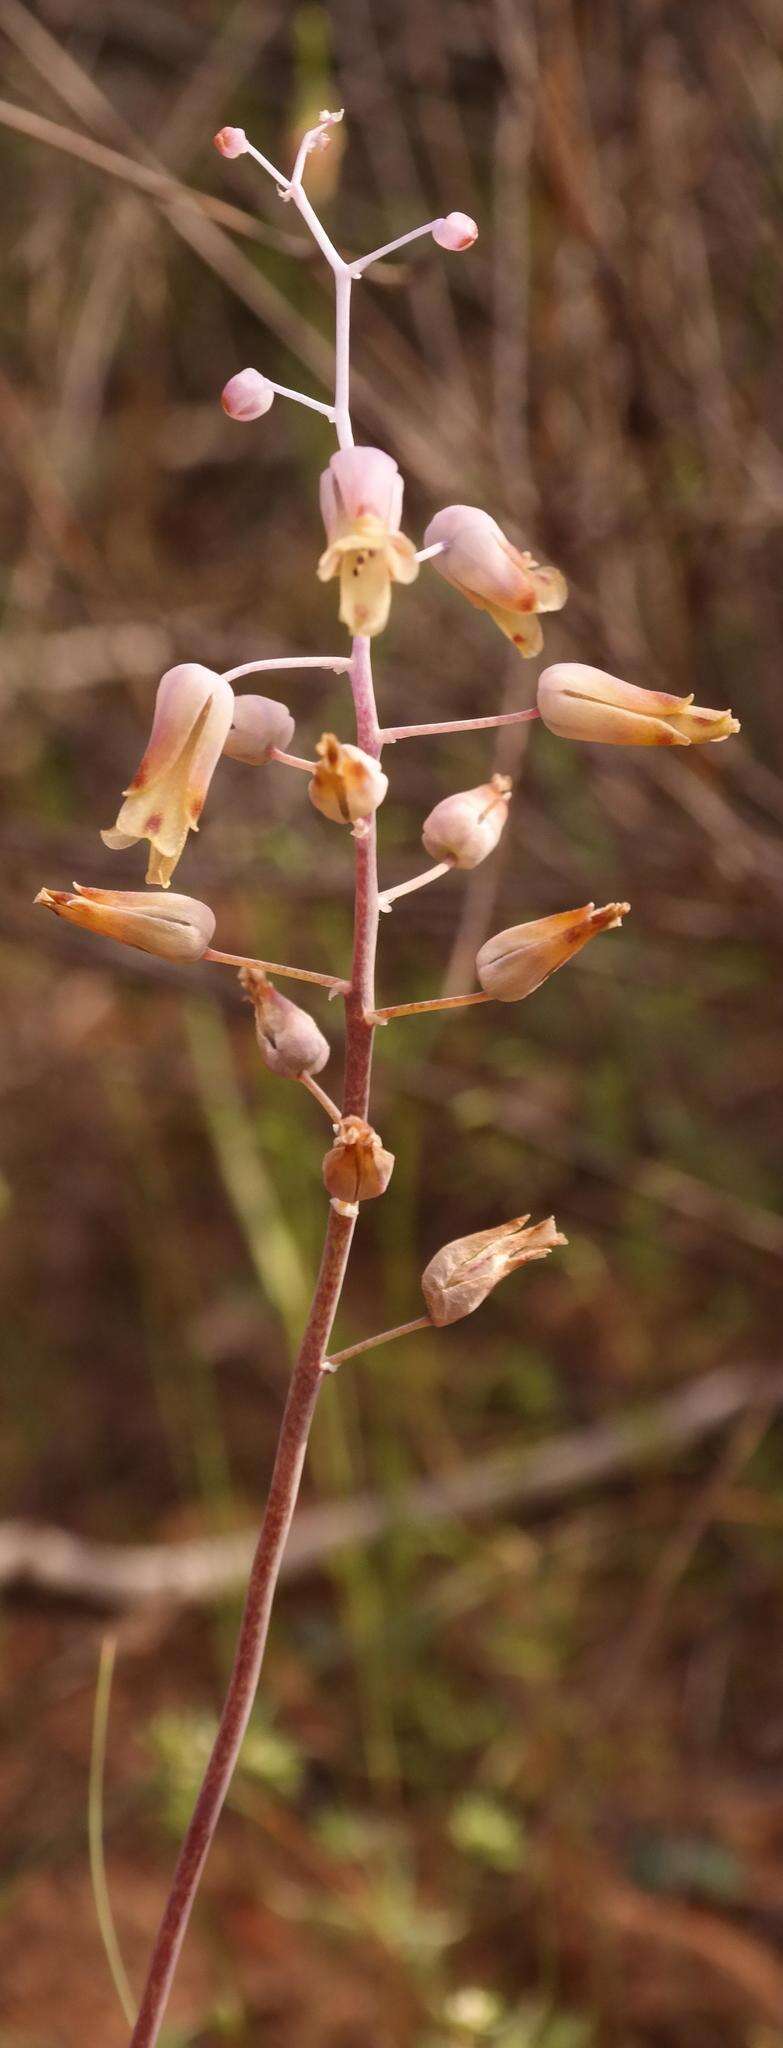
column 174, row 927
column 289, row 1039
column 465, row 827
column 348, row 785
column 463, row 1273
column 515, row 962
column 357, row 1168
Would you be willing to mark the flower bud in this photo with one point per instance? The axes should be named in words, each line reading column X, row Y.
column 357, row 1168
column 463, row 1273
column 247, row 395
column 230, row 141
column 174, row 927
column 457, row 231
column 465, row 827
column 348, row 784
column 495, row 576
column 516, row 961
column 289, row 1040
column 258, row 725
column 582, row 703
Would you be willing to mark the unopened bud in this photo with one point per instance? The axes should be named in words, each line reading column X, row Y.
column 357, row 1168
column 515, row 962
column 174, row 927
column 259, row 724
column 456, row 231
column 465, row 827
column 583, row 703
column 463, row 1273
column 348, row 784
column 230, row 141
column 247, row 396
column 289, row 1040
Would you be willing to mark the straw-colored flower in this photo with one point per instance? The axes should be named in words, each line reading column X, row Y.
column 258, row 725
column 583, row 703
column 361, row 503
column 357, row 1168
column 465, row 827
column 515, row 962
column 289, row 1040
column 348, row 785
column 174, row 927
column 163, row 803
column 463, row 1273
column 494, row 575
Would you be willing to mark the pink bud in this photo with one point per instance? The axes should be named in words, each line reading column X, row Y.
column 247, row 395
column 230, row 141
column 456, row 231
column 258, row 725
column 465, row 827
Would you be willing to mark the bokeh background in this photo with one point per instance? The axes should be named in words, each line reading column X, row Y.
column 516, row 1772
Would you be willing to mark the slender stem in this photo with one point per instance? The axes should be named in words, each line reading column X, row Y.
column 418, row 1009
column 306, row 1379
column 280, row 178
column 437, row 547
column 321, row 1096
column 388, row 248
column 275, row 967
column 340, row 663
column 420, row 732
column 389, row 896
column 342, row 415
column 369, row 1343
column 300, row 398
column 292, row 760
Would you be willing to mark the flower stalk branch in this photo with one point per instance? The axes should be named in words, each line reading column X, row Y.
column 330, row 981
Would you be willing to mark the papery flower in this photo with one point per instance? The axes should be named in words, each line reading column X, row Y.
column 463, row 1273
column 357, row 1168
column 495, row 576
column 361, row 503
column 174, row 927
column 230, row 141
column 456, row 231
column 163, row 803
column 515, row 962
column 348, row 785
column 289, row 1040
column 465, row 827
column 247, row 395
column 258, row 724
column 582, row 703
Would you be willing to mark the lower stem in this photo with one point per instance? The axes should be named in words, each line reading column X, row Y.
column 306, row 1380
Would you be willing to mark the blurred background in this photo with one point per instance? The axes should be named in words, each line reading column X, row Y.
column 516, row 1770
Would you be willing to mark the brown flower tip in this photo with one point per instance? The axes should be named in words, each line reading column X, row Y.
column 516, row 961
column 357, row 1168
column 463, row 1273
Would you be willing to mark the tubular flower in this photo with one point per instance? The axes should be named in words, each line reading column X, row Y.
column 258, row 725
column 465, row 827
column 289, row 1040
column 163, row 803
column 174, row 927
column 582, row 703
column 495, row 576
column 463, row 1273
column 348, row 785
column 361, row 503
column 357, row 1168
column 516, row 961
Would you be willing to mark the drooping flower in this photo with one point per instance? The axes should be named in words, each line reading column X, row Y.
column 348, row 785
column 174, row 927
column 247, row 395
column 361, row 503
column 463, row 1273
column 258, row 724
column 583, row 703
column 289, row 1040
column 163, row 803
column 356, row 1168
column 515, row 962
column 494, row 575
column 465, row 827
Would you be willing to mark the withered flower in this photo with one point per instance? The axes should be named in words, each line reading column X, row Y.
column 174, row 927
column 357, row 1168
column 289, row 1040
column 348, row 785
column 515, row 962
column 583, row 703
column 465, row 827
column 463, row 1273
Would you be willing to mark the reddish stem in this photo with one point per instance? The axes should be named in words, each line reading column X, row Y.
column 306, row 1379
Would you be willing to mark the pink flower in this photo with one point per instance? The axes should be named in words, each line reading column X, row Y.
column 457, row 231
column 258, row 724
column 465, row 827
column 583, row 703
column 247, row 396
column 463, row 1273
column 495, row 576
column 174, row 927
column 361, row 503
column 163, row 803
